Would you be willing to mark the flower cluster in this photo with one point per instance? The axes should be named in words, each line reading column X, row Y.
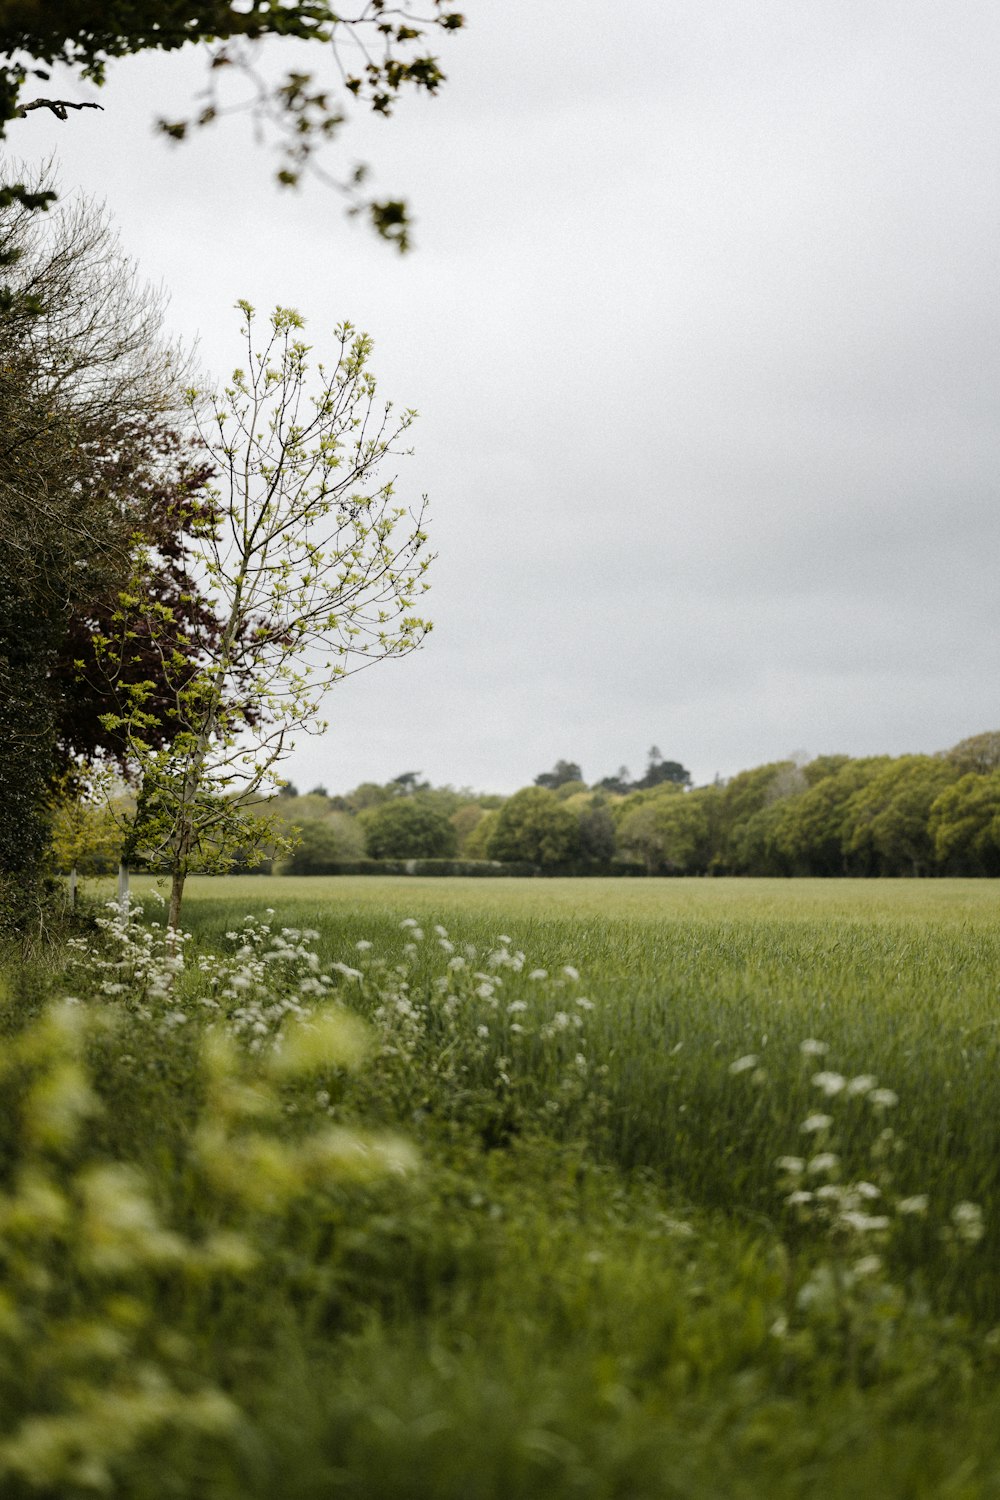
column 458, row 1031
column 844, row 1294
column 477, row 1033
column 268, row 977
column 136, row 963
column 856, row 1209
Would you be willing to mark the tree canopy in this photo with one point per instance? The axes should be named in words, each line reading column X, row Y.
column 372, row 57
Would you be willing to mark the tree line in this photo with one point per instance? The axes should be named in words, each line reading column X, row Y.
column 909, row 815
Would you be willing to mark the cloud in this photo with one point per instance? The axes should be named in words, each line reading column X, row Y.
column 703, row 328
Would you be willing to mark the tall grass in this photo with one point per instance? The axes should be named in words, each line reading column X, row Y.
column 623, row 1268
column 900, row 980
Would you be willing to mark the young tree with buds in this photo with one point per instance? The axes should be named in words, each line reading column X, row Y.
column 313, row 570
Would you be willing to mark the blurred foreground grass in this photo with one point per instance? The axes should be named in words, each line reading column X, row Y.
column 595, row 1285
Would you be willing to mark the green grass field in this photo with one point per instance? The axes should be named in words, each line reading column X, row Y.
column 599, row 1282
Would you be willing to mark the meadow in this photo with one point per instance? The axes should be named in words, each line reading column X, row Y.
column 666, row 1188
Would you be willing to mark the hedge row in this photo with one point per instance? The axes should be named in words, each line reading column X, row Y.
column 493, row 867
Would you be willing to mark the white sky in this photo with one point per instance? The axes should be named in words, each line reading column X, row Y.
column 702, row 323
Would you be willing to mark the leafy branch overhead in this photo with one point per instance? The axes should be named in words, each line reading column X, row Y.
column 374, row 54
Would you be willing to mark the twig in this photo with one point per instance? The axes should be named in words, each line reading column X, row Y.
column 57, row 106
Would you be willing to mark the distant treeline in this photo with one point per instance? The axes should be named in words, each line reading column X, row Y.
column 881, row 815
column 834, row 815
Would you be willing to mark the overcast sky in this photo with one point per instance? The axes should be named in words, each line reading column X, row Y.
column 702, row 323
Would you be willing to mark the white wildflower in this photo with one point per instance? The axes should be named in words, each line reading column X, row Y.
column 347, row 971
column 824, row 1161
column 830, row 1083
column 968, row 1221
column 883, row 1098
column 812, row 1048
column 570, row 972
column 793, row 1164
column 862, row 1084
column 743, row 1064
column 864, row 1223
column 917, row 1204
column 814, row 1123
column 539, row 974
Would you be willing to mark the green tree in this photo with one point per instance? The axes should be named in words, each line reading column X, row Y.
column 965, row 824
column 85, row 834
column 305, row 566
column 534, row 826
column 757, row 846
column 743, row 796
column 322, row 842
column 618, row 785
column 465, row 820
column 671, row 831
column 86, row 385
column 812, row 834
column 562, row 773
column 373, row 57
column 476, row 844
column 408, row 829
column 888, row 820
column 598, row 836
column 570, row 789
column 980, row 752
column 368, row 794
column 659, row 771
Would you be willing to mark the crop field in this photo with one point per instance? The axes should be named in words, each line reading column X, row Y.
column 453, row 1190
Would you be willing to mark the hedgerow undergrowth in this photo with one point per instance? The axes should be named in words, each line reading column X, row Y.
column 376, row 1203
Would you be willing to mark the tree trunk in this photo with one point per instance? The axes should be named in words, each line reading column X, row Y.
column 72, row 889
column 122, row 883
column 176, row 897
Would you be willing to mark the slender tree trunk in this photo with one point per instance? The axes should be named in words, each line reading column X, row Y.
column 122, row 883
column 72, row 889
column 177, row 879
